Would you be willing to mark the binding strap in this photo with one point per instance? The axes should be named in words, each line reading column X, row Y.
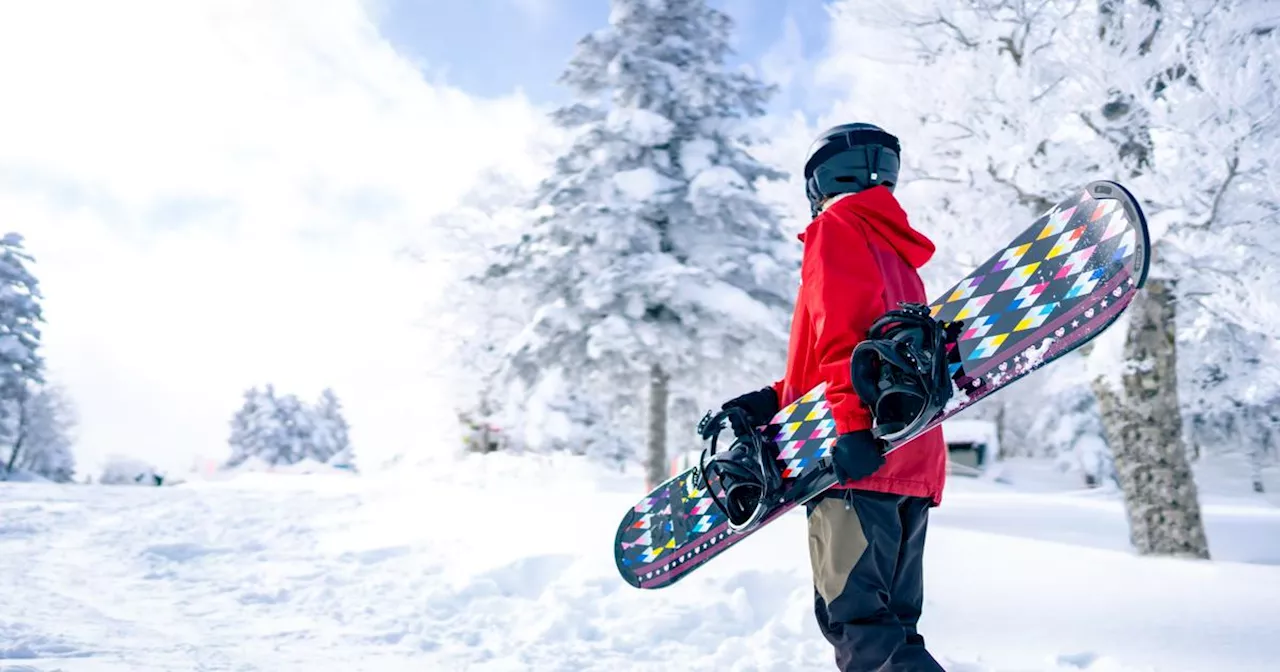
column 900, row 371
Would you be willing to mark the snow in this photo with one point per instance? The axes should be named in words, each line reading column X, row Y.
column 1105, row 361
column 504, row 563
column 640, row 126
column 722, row 298
column 696, row 156
column 715, row 183
column 21, row 476
column 639, row 184
column 1033, row 356
column 959, row 397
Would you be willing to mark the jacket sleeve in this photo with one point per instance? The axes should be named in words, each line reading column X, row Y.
column 844, row 289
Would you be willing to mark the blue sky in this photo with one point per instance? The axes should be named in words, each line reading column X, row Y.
column 492, row 47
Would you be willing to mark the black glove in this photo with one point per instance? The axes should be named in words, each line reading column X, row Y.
column 857, row 455
column 760, row 406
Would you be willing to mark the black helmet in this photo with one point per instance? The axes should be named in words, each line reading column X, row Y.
column 849, row 158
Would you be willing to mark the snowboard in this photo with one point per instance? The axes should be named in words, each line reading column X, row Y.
column 1053, row 288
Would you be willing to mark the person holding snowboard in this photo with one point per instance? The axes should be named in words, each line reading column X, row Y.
column 866, row 534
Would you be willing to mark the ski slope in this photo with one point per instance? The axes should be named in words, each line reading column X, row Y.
column 504, row 563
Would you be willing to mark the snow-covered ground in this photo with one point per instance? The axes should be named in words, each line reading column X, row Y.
column 504, row 563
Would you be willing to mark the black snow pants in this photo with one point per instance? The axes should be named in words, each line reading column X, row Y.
column 867, row 552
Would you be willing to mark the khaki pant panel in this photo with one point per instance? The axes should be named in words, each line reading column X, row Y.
column 836, row 542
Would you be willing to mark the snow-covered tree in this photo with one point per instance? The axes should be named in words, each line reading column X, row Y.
column 41, row 436
column 1215, row 261
column 654, row 269
column 471, row 322
column 1202, row 124
column 1014, row 104
column 254, row 428
column 21, row 364
column 282, row 429
column 562, row 418
column 330, row 439
column 298, row 429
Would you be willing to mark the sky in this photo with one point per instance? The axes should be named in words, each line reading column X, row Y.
column 494, row 47
column 216, row 190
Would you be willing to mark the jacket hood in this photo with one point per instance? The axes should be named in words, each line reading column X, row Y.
column 878, row 211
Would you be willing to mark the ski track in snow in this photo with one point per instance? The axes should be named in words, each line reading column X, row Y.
column 509, row 567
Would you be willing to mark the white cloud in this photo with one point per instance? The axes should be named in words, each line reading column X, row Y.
column 784, row 62
column 213, row 190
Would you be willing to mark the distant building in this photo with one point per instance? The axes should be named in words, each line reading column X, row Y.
column 972, row 445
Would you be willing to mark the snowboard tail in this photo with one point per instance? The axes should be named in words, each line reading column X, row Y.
column 1056, row 286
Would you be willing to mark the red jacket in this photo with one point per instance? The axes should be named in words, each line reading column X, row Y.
column 860, row 260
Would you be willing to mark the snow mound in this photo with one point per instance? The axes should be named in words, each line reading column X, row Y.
column 122, row 470
column 19, row 641
column 256, row 465
column 22, row 476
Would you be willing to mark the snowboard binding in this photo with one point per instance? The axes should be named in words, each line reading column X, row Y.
column 900, row 370
column 744, row 481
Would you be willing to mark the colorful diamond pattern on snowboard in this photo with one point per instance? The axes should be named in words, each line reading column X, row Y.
column 682, row 511
column 1058, row 262
column 1055, row 286
column 804, row 434
column 1019, row 276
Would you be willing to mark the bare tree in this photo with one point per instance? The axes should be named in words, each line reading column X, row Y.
column 1014, row 103
column 42, row 435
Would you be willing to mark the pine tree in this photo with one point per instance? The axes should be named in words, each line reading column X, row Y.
column 331, row 442
column 292, row 432
column 263, row 428
column 655, row 265
column 282, row 430
column 21, row 364
column 246, row 436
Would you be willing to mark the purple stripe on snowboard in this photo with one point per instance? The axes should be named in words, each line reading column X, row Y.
column 1108, row 314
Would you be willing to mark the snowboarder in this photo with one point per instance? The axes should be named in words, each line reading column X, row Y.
column 867, row 534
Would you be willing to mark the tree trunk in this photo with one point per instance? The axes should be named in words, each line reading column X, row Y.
column 1002, row 434
column 656, row 457
column 13, row 456
column 22, row 433
column 1144, row 430
column 1257, row 452
column 487, row 443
